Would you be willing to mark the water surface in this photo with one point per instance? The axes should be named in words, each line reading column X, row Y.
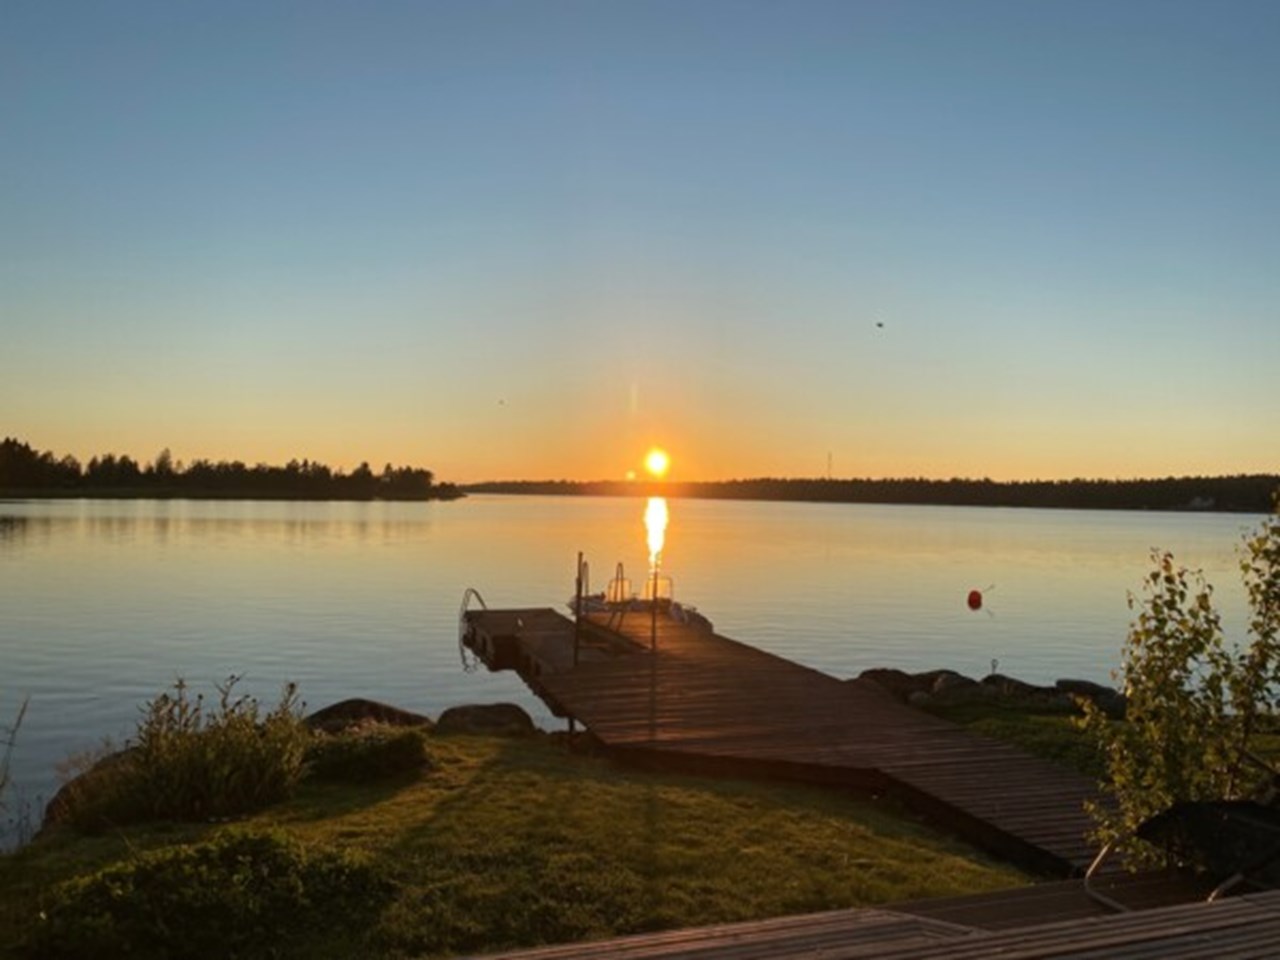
column 104, row 603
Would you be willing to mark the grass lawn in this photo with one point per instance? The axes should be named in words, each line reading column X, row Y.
column 509, row 843
column 1054, row 736
column 1050, row 734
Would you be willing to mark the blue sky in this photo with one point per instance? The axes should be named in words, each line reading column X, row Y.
column 528, row 239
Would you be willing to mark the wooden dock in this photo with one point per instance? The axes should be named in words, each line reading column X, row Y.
column 704, row 703
column 1233, row 929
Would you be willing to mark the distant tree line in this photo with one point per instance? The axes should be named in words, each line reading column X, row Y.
column 25, row 470
column 1242, row 493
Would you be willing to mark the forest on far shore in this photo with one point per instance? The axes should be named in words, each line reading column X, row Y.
column 25, row 471
column 30, row 472
column 1238, row 494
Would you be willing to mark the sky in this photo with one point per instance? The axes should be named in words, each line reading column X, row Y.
column 529, row 239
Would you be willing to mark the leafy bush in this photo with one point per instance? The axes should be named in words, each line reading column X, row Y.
column 190, row 763
column 1195, row 703
column 374, row 753
column 242, row 894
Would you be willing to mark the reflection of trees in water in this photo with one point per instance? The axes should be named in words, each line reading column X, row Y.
column 19, row 529
column 112, row 529
column 164, row 526
column 12, row 527
column 165, row 521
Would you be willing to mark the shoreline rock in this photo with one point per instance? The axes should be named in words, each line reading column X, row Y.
column 489, row 719
column 947, row 688
column 358, row 712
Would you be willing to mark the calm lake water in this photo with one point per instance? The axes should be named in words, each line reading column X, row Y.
column 104, row 603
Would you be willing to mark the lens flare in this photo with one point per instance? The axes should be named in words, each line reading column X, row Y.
column 655, row 525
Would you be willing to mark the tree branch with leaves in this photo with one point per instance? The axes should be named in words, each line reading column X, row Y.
column 1194, row 701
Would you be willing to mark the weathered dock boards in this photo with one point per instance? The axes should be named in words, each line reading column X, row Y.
column 1239, row 927
column 1059, row 900
column 704, row 702
column 844, row 933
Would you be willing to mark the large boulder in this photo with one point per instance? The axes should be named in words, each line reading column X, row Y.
column 488, row 719
column 1020, row 693
column 920, row 698
column 950, row 688
column 947, row 688
column 1107, row 700
column 923, row 689
column 358, row 712
column 84, row 786
column 1011, row 687
column 897, row 683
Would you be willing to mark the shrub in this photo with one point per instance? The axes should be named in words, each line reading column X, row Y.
column 243, row 894
column 1195, row 702
column 190, row 763
column 374, row 753
column 194, row 765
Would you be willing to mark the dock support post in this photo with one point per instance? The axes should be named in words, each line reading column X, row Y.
column 577, row 623
column 653, row 622
column 653, row 658
column 577, row 610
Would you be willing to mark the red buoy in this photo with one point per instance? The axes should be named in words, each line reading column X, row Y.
column 975, row 599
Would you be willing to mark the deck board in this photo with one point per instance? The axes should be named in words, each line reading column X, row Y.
column 846, row 933
column 1238, row 927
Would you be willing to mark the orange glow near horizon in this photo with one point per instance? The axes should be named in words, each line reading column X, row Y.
column 710, row 450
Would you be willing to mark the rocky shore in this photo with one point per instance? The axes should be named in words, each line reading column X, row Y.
column 945, row 688
column 483, row 719
column 931, row 688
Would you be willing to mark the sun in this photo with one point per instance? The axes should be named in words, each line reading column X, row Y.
column 656, row 462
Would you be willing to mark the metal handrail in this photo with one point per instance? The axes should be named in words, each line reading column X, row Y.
column 472, row 663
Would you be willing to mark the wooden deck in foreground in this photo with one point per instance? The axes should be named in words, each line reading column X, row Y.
column 1233, row 929
column 708, row 704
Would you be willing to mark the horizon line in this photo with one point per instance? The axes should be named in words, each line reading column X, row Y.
column 640, row 482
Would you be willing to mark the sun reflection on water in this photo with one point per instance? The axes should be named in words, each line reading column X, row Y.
column 655, row 525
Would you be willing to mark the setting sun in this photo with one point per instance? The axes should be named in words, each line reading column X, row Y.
column 656, row 462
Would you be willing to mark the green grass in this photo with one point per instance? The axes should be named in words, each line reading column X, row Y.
column 1054, row 736
column 242, row 893
column 1043, row 733
column 516, row 843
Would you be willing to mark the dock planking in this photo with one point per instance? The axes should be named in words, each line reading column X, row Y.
column 845, row 933
column 1060, row 900
column 1239, row 927
column 679, row 695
